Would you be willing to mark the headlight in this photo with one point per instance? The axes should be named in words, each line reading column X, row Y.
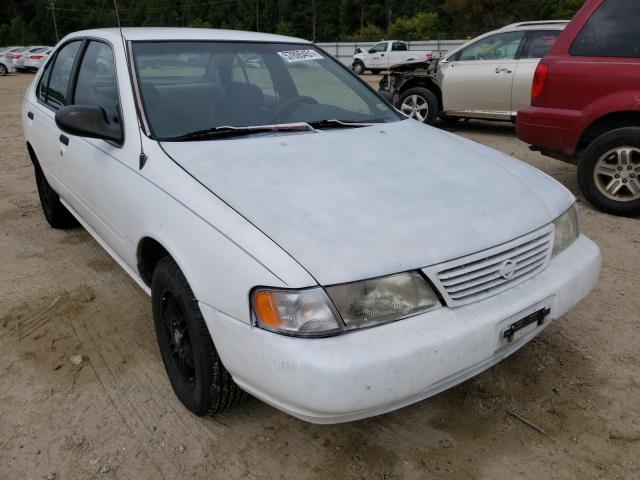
column 566, row 230
column 382, row 300
column 310, row 312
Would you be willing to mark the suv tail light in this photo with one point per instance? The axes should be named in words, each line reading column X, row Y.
column 539, row 80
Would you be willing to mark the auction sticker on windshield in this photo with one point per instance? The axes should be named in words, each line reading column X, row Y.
column 300, row 55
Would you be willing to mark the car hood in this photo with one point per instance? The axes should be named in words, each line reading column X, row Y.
column 366, row 202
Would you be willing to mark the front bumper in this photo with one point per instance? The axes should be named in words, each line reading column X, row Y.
column 373, row 371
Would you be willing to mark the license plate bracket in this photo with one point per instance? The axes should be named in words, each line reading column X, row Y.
column 538, row 317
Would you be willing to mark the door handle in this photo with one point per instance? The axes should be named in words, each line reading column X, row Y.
column 30, row 115
column 502, row 70
column 64, row 139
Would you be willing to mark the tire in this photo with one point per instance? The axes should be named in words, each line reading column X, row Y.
column 609, row 172
column 358, row 67
column 3, row 70
column 426, row 101
column 195, row 370
column 54, row 211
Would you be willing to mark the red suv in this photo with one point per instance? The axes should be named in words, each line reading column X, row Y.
column 586, row 103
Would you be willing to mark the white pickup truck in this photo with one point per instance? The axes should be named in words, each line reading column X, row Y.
column 386, row 54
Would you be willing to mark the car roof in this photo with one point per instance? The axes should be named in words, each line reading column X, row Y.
column 170, row 33
column 537, row 25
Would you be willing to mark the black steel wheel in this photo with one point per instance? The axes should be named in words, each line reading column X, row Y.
column 197, row 375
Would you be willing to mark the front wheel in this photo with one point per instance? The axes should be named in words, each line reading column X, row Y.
column 609, row 172
column 195, row 370
column 358, row 68
column 420, row 104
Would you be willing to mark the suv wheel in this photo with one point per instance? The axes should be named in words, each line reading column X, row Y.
column 609, row 172
column 420, row 104
column 195, row 370
column 358, row 67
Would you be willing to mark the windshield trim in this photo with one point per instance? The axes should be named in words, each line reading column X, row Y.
column 139, row 96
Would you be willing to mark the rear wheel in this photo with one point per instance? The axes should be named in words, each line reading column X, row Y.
column 609, row 172
column 54, row 211
column 195, row 370
column 3, row 70
column 420, row 104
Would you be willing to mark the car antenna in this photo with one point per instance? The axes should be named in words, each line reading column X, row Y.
column 143, row 156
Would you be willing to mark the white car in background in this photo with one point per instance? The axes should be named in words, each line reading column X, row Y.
column 489, row 77
column 19, row 58
column 6, row 59
column 297, row 239
column 6, row 65
column 34, row 60
column 387, row 54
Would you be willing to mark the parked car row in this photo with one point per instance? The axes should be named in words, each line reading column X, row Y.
column 23, row 59
column 580, row 103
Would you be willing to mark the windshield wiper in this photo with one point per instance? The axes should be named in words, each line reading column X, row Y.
column 229, row 132
column 333, row 123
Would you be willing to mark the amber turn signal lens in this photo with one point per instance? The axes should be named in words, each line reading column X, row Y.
column 266, row 309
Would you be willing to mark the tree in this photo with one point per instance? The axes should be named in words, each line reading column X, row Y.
column 369, row 33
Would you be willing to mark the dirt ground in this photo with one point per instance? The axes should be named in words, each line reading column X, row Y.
column 114, row 415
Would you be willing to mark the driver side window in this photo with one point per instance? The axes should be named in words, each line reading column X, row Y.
column 502, row 46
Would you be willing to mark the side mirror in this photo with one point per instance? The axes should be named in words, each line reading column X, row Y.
column 88, row 121
column 372, row 51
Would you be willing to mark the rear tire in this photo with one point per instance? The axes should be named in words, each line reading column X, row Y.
column 3, row 70
column 609, row 172
column 425, row 102
column 195, row 370
column 54, row 211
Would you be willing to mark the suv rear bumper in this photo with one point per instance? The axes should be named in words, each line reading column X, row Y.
column 549, row 129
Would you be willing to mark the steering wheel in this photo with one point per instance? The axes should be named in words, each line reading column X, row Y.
column 285, row 108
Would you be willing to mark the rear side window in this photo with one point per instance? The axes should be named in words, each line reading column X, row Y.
column 58, row 82
column 399, row 47
column 97, row 84
column 44, row 82
column 612, row 31
column 539, row 43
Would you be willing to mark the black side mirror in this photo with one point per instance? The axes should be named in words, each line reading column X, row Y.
column 88, row 121
column 372, row 51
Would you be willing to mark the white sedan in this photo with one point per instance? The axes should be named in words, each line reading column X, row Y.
column 300, row 240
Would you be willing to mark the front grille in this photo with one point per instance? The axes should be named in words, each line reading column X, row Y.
column 483, row 274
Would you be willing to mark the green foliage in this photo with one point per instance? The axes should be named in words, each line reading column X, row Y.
column 285, row 28
column 31, row 21
column 422, row 26
column 368, row 33
column 199, row 23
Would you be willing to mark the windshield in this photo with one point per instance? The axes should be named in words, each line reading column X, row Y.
column 194, row 86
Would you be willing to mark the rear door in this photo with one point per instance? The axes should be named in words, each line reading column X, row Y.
column 478, row 78
column 52, row 93
column 535, row 46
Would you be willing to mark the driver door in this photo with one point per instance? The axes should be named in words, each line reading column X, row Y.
column 376, row 56
column 479, row 78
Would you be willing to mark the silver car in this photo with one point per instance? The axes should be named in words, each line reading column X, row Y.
column 6, row 60
column 489, row 77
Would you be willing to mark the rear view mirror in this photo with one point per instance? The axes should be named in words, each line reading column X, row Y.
column 88, row 121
